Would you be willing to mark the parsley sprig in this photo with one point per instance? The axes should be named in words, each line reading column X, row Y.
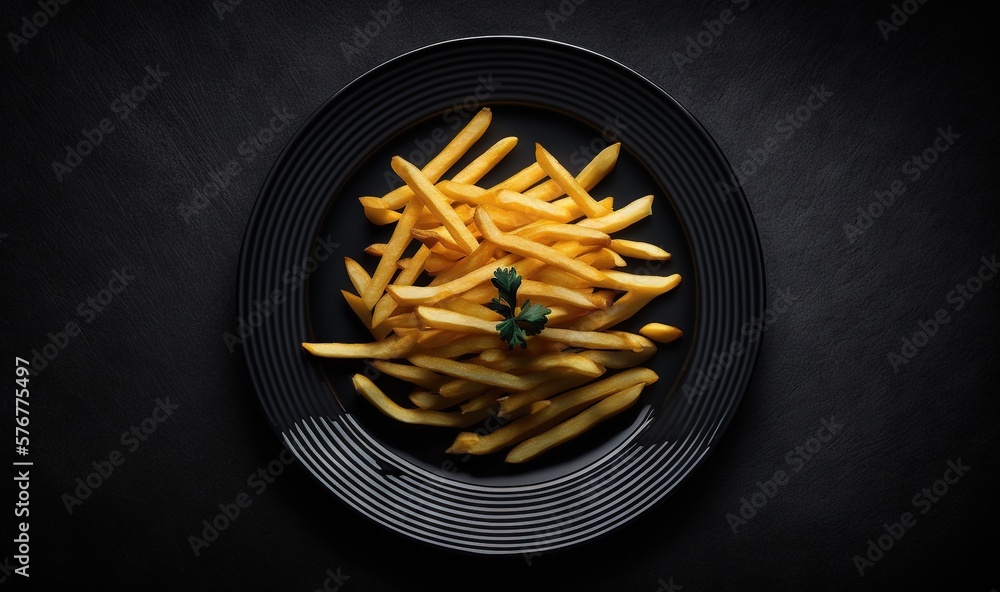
column 530, row 320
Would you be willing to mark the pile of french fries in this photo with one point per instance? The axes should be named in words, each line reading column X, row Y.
column 542, row 221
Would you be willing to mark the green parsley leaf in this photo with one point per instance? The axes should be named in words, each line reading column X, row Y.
column 529, row 321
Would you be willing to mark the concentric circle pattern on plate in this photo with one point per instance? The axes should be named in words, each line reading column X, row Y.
column 664, row 443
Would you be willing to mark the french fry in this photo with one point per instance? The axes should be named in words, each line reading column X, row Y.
column 591, row 174
column 513, row 402
column 620, row 359
column 421, row 377
column 538, row 406
column 558, row 277
column 445, row 159
column 562, row 407
column 655, row 284
column 394, row 250
column 622, row 309
column 568, row 183
column 484, row 401
column 436, row 202
column 523, row 179
column 386, row 305
column 566, row 361
column 380, row 215
column 660, row 332
column 639, row 250
column 366, row 388
column 485, row 162
column 565, row 232
column 526, row 248
column 386, row 349
column 375, row 250
column 468, row 371
column 573, row 427
column 433, row 401
column 357, row 274
column 621, row 218
column 359, row 308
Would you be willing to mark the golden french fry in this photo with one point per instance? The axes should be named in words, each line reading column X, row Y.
column 445, row 159
column 520, row 203
column 357, row 274
column 427, row 400
column 623, row 308
column 376, row 397
column 380, row 216
column 436, row 202
column 620, row 359
column 485, row 162
column 523, row 179
column 538, row 406
column 567, row 361
column 483, row 401
column 428, row 220
column 468, row 371
column 565, row 232
column 463, row 344
column 415, row 295
column 386, row 305
column 558, row 277
column 660, row 332
column 478, row 259
column 386, row 349
column 600, row 259
column 639, row 250
column 573, row 427
column 394, row 250
column 526, row 248
column 375, row 249
column 461, row 305
column 622, row 218
column 421, row 377
column 562, row 407
column 514, row 402
column 588, row 339
column 359, row 308
column 568, row 183
column 655, row 284
column 591, row 174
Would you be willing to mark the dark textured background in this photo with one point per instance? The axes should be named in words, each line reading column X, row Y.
column 826, row 356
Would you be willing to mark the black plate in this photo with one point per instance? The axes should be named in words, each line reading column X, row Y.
column 574, row 102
